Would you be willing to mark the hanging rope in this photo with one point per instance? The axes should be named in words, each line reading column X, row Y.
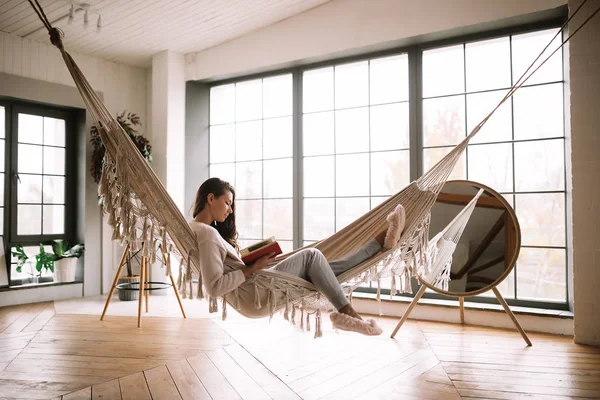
column 523, row 77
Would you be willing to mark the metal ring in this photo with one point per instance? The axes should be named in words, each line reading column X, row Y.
column 136, row 286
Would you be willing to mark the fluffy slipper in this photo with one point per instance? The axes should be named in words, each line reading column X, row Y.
column 396, row 220
column 348, row 323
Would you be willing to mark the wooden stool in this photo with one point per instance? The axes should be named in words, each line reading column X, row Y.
column 144, row 285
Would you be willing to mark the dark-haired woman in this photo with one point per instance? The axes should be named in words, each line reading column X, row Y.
column 223, row 271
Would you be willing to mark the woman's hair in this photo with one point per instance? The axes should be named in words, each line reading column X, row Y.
column 218, row 187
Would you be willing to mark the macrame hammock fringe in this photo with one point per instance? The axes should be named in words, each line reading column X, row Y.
column 142, row 214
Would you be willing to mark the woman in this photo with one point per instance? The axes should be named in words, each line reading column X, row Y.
column 223, row 270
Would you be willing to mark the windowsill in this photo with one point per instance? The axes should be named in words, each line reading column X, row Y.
column 538, row 312
column 37, row 285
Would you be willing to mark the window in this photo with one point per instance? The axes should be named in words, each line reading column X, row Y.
column 520, row 152
column 355, row 141
column 368, row 126
column 38, row 185
column 251, row 137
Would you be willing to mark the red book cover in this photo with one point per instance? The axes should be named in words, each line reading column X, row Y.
column 273, row 247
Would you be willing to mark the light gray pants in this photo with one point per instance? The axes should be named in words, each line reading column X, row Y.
column 311, row 265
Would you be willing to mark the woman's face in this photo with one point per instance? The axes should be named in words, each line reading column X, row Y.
column 220, row 207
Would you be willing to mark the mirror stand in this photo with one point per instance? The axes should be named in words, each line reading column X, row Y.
column 476, row 237
column 461, row 300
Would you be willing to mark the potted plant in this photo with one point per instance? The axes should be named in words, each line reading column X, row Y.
column 65, row 260
column 129, row 122
column 43, row 260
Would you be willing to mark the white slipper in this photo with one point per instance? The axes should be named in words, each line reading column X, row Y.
column 348, row 323
column 396, row 221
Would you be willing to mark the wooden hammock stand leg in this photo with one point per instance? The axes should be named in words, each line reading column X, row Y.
column 409, row 309
column 461, row 301
column 144, row 286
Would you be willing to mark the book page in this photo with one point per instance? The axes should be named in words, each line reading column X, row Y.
column 258, row 245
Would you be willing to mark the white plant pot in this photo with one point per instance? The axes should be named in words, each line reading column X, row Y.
column 64, row 269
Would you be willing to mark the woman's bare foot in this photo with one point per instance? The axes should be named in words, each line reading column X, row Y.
column 349, row 310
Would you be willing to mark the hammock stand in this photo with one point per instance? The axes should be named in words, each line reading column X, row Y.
column 143, row 214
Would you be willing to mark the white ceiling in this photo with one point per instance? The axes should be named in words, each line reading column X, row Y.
column 133, row 30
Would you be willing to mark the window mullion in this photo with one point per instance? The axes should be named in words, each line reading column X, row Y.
column 415, row 112
column 297, row 154
column 12, row 171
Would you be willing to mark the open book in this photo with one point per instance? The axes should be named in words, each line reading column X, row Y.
column 251, row 253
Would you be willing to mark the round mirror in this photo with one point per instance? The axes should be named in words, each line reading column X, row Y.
column 488, row 247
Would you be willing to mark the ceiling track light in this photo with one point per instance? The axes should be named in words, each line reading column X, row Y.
column 74, row 10
column 87, row 10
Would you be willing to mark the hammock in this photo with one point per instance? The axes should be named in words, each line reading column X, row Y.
column 442, row 245
column 143, row 214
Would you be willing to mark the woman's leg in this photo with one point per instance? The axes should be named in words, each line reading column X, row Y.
column 351, row 260
column 311, row 265
column 391, row 234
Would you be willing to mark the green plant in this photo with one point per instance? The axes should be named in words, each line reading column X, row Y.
column 22, row 258
column 43, row 260
column 129, row 122
column 62, row 250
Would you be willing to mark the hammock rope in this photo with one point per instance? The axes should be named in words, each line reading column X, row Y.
column 142, row 213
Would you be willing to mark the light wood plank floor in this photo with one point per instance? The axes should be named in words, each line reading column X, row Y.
column 44, row 355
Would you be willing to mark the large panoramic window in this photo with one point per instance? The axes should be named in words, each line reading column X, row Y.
column 354, row 132
column 520, row 152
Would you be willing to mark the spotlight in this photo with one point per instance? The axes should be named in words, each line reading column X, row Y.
column 87, row 9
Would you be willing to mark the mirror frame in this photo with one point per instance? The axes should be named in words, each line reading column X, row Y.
column 513, row 261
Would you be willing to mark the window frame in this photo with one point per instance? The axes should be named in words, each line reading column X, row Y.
column 235, row 162
column 370, row 152
column 10, row 237
column 415, row 98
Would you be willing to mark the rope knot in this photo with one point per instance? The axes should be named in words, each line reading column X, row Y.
column 56, row 36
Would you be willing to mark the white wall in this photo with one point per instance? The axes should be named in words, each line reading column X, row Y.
column 342, row 25
column 40, row 294
column 585, row 147
column 475, row 314
column 168, row 130
column 122, row 87
column 168, row 122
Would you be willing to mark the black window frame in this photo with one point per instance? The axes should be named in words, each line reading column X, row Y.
column 414, row 51
column 10, row 237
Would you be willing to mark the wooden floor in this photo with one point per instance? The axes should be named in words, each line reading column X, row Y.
column 44, row 355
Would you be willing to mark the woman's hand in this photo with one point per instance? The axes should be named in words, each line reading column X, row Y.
column 260, row 263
